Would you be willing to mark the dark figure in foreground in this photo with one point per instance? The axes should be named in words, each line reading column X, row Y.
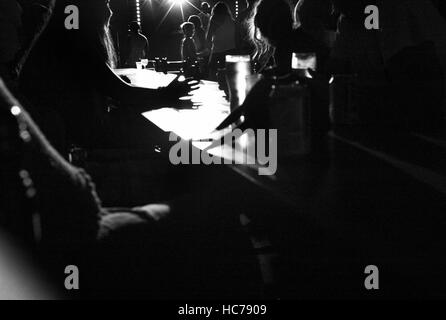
column 123, row 253
column 69, row 79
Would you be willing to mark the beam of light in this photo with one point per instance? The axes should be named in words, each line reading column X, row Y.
column 191, row 4
column 182, row 12
column 180, row 3
column 165, row 16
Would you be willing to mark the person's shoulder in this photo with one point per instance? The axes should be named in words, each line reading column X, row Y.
column 142, row 37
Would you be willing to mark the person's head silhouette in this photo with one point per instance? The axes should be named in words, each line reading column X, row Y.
column 188, row 29
column 205, row 7
column 196, row 21
column 274, row 21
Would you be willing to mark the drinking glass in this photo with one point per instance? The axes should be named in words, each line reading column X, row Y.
column 144, row 63
column 238, row 67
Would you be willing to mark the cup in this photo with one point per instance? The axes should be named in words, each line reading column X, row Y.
column 139, row 65
column 238, row 67
column 144, row 63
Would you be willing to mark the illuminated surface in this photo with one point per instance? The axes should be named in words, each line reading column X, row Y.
column 196, row 124
column 147, row 78
column 193, row 124
column 238, row 58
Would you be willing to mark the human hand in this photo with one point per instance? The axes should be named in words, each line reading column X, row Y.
column 180, row 87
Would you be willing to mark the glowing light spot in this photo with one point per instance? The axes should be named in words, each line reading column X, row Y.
column 181, row 79
column 25, row 136
column 15, row 110
column 138, row 12
column 31, row 193
column 27, row 182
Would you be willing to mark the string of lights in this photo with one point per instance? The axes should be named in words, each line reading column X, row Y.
column 180, row 5
column 138, row 12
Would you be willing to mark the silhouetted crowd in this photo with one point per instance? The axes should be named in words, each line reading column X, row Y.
column 59, row 93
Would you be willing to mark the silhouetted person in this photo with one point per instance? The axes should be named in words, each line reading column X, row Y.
column 273, row 35
column 72, row 220
column 221, row 35
column 69, row 78
column 199, row 35
column 138, row 45
column 188, row 48
column 205, row 14
column 313, row 17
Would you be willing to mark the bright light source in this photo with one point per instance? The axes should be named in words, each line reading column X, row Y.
column 138, row 12
column 16, row 110
column 179, row 2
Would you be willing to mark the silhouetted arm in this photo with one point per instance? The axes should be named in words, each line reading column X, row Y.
column 211, row 29
column 111, row 85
